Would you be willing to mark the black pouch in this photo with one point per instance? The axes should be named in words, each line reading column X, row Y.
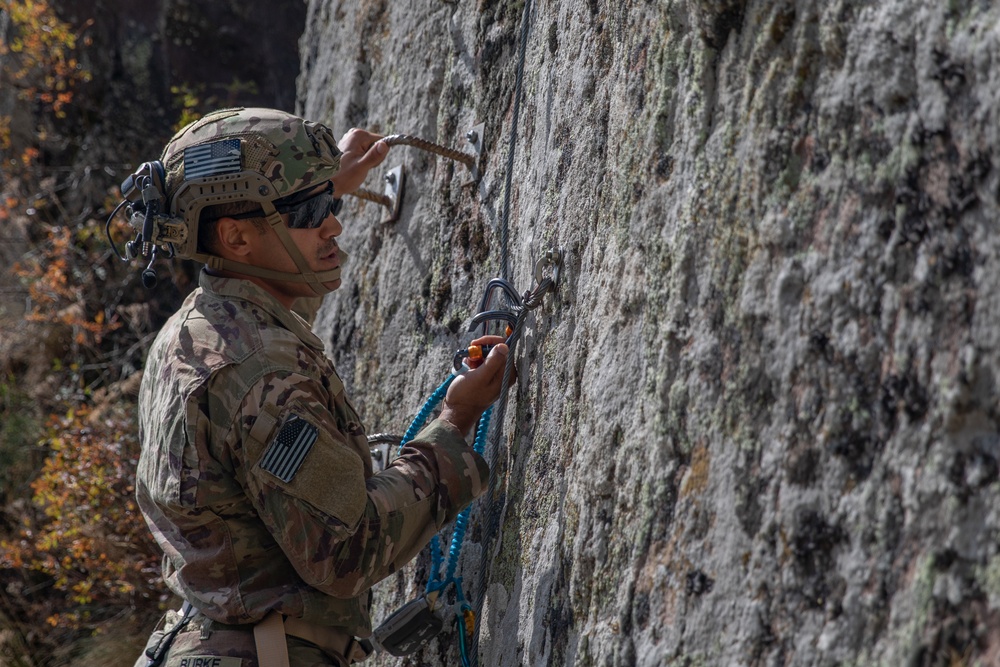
column 155, row 640
column 408, row 627
column 161, row 639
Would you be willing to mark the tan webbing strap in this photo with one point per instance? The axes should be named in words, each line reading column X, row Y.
column 218, row 263
column 278, row 225
column 269, row 635
column 314, row 279
column 332, row 640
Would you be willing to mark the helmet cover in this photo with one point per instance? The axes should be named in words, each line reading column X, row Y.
column 243, row 154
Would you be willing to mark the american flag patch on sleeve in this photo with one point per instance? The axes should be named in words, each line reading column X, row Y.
column 289, row 448
column 213, row 159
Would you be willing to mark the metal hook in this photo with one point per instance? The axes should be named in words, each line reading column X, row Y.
column 554, row 257
column 488, row 315
column 392, row 199
column 505, row 287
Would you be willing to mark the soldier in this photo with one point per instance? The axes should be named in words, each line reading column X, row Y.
column 255, row 475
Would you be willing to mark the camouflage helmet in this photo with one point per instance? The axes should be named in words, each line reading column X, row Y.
column 234, row 155
column 242, row 154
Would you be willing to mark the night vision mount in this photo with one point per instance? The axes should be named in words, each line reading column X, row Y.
column 145, row 207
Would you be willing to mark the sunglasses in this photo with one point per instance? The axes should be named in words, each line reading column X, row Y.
column 304, row 211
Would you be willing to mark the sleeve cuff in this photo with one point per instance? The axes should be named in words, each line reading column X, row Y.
column 464, row 474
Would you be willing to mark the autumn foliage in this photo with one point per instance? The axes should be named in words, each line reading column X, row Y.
column 76, row 557
column 82, row 534
column 59, row 282
column 44, row 65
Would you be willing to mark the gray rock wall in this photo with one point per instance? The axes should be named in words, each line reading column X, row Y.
column 758, row 423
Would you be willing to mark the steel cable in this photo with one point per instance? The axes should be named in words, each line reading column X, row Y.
column 370, row 195
column 467, row 159
column 509, row 176
column 498, row 505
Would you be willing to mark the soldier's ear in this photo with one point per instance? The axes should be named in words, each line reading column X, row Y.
column 234, row 237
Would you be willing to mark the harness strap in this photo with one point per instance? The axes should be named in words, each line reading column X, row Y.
column 329, row 639
column 269, row 636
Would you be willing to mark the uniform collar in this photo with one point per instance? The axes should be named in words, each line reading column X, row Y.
column 244, row 290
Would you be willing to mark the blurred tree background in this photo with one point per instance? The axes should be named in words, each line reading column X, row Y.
column 88, row 90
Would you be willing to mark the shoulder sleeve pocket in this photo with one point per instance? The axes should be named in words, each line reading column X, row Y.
column 303, row 460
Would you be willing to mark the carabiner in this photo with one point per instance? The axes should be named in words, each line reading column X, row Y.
column 513, row 298
column 480, row 319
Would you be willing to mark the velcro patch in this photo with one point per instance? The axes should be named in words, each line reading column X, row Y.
column 213, row 159
column 286, row 452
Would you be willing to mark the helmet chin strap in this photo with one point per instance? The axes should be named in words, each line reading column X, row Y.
column 315, row 279
column 311, row 277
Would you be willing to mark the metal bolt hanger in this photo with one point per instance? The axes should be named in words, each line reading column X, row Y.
column 392, row 196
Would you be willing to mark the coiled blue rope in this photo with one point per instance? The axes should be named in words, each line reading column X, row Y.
column 435, row 582
column 462, row 522
column 429, row 405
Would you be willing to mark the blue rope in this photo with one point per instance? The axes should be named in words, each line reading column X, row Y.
column 418, row 423
column 461, row 522
column 425, row 412
column 437, row 559
column 434, row 581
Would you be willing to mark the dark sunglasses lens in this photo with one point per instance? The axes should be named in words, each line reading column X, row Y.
column 311, row 213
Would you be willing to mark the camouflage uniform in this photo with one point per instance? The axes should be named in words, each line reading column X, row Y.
column 256, row 477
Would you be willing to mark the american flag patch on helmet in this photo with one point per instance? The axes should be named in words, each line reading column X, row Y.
column 213, row 159
column 288, row 449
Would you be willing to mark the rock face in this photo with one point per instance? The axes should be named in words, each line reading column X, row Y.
column 757, row 424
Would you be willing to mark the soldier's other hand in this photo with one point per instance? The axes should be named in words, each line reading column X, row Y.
column 471, row 393
column 360, row 152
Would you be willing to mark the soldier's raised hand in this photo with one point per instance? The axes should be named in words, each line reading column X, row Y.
column 472, row 392
column 360, row 150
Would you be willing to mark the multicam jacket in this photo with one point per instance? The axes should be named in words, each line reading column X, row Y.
column 256, row 476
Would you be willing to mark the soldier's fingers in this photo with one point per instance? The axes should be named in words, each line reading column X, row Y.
column 374, row 156
column 488, row 340
column 357, row 140
column 490, row 374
